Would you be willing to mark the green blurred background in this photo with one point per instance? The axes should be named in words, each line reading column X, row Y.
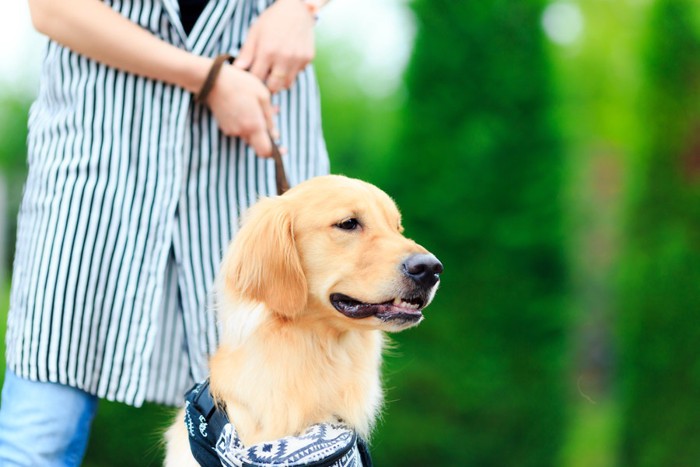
column 549, row 154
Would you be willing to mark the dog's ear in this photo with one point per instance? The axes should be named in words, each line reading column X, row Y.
column 263, row 264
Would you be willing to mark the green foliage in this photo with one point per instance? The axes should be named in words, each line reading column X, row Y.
column 660, row 297
column 477, row 171
column 598, row 84
column 592, row 436
column 14, row 112
column 358, row 128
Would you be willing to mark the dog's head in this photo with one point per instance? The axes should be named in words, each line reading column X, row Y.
column 331, row 249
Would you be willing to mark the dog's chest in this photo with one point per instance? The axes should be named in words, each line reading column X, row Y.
column 276, row 394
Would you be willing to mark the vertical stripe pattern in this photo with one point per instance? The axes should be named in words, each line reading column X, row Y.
column 132, row 196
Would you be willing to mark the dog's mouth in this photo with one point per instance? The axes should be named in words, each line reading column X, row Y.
column 406, row 309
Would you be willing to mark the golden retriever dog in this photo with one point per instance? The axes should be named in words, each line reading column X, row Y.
column 306, row 290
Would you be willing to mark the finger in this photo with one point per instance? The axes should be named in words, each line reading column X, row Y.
column 261, row 67
column 290, row 82
column 295, row 67
column 247, row 52
column 277, row 80
column 292, row 76
column 269, row 113
column 298, row 65
column 260, row 142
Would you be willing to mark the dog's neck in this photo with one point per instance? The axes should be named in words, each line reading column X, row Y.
column 278, row 376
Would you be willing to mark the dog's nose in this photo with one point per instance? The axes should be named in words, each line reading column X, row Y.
column 425, row 269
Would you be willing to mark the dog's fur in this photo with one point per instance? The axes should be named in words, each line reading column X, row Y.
column 288, row 358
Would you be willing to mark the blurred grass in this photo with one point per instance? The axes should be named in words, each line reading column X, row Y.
column 125, row 436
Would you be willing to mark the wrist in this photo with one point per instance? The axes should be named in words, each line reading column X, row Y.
column 207, row 86
column 193, row 72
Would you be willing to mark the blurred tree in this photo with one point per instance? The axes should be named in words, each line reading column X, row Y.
column 14, row 110
column 598, row 82
column 477, row 171
column 660, row 281
column 359, row 127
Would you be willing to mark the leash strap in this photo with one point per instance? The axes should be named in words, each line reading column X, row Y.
column 280, row 176
column 365, row 456
column 208, row 85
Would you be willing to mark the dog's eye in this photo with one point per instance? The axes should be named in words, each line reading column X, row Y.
column 348, row 224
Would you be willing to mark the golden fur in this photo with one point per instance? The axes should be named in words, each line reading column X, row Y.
column 287, row 357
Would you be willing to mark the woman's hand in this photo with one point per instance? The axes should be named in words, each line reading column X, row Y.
column 241, row 105
column 240, row 101
column 279, row 45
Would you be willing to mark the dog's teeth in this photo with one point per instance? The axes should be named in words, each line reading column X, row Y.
column 400, row 303
column 404, row 304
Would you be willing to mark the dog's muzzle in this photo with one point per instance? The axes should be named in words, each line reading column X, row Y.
column 421, row 272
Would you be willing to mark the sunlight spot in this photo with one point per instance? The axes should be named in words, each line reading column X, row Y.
column 563, row 22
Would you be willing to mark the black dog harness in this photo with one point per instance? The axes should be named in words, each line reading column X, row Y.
column 214, row 441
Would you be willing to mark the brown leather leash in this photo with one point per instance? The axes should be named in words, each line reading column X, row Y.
column 280, row 176
column 201, row 97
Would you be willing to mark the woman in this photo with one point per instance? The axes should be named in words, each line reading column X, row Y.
column 134, row 189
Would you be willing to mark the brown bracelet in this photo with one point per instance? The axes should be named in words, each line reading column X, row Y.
column 208, row 85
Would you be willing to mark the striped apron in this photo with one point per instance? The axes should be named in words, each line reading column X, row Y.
column 131, row 197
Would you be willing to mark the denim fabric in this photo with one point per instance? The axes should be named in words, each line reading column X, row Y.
column 43, row 424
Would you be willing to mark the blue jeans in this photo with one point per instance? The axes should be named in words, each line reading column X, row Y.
column 43, row 424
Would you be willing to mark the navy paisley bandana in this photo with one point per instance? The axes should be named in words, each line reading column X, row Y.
column 215, row 442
